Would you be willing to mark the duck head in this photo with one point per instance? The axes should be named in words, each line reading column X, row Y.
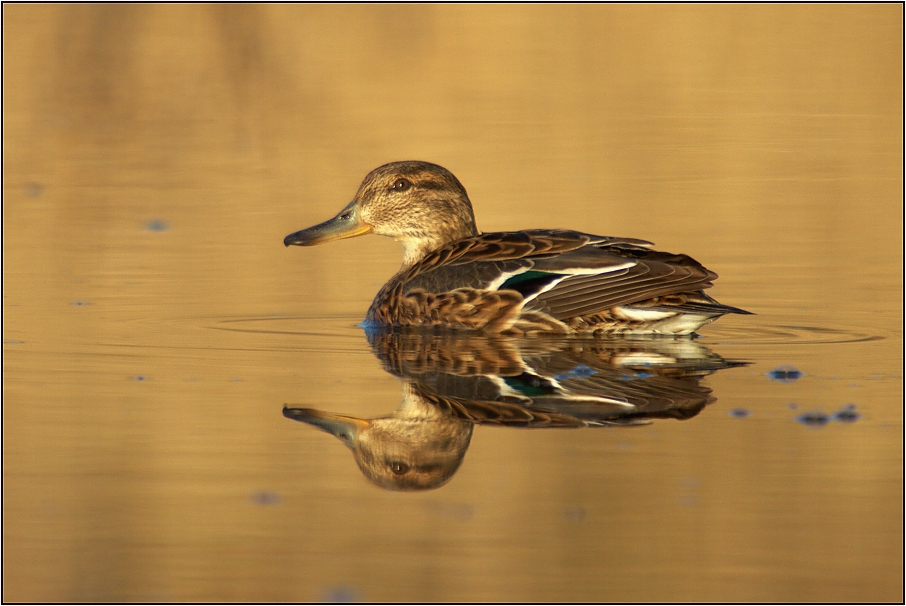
column 419, row 204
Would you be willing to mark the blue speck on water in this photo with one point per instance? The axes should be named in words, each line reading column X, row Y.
column 80, row 303
column 140, row 378
column 815, row 418
column 785, row 374
column 34, row 190
column 847, row 414
column 575, row 513
column 341, row 594
column 739, row 413
column 688, row 500
column 455, row 511
column 12, row 342
column 236, row 379
column 265, row 498
column 792, row 406
column 157, row 225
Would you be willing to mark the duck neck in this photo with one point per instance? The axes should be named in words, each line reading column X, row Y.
column 416, row 249
column 419, row 246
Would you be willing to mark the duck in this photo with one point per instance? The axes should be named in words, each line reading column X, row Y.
column 527, row 282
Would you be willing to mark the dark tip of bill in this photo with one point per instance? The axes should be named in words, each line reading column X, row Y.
column 291, row 239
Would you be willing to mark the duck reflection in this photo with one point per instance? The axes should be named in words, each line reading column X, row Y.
column 453, row 382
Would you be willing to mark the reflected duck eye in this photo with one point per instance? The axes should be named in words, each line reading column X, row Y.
column 399, row 468
column 401, row 185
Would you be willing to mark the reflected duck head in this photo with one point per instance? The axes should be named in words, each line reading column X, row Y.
column 398, row 452
column 419, row 204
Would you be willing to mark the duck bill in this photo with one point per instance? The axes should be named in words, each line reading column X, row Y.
column 347, row 224
column 341, row 426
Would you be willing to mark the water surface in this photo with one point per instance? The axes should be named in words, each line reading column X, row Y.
column 155, row 327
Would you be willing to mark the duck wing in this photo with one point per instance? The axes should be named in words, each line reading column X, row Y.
column 560, row 272
column 597, row 277
column 501, row 260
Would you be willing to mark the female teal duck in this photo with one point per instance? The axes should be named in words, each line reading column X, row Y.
column 518, row 282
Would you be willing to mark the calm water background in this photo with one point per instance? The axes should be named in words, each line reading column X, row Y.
column 154, row 325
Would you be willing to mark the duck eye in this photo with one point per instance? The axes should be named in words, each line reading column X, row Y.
column 401, row 185
column 399, row 468
column 346, row 215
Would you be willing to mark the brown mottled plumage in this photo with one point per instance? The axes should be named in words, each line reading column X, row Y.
column 524, row 282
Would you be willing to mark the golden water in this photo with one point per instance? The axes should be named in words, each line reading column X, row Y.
column 154, row 325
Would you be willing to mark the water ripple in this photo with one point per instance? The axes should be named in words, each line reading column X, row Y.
column 785, row 334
